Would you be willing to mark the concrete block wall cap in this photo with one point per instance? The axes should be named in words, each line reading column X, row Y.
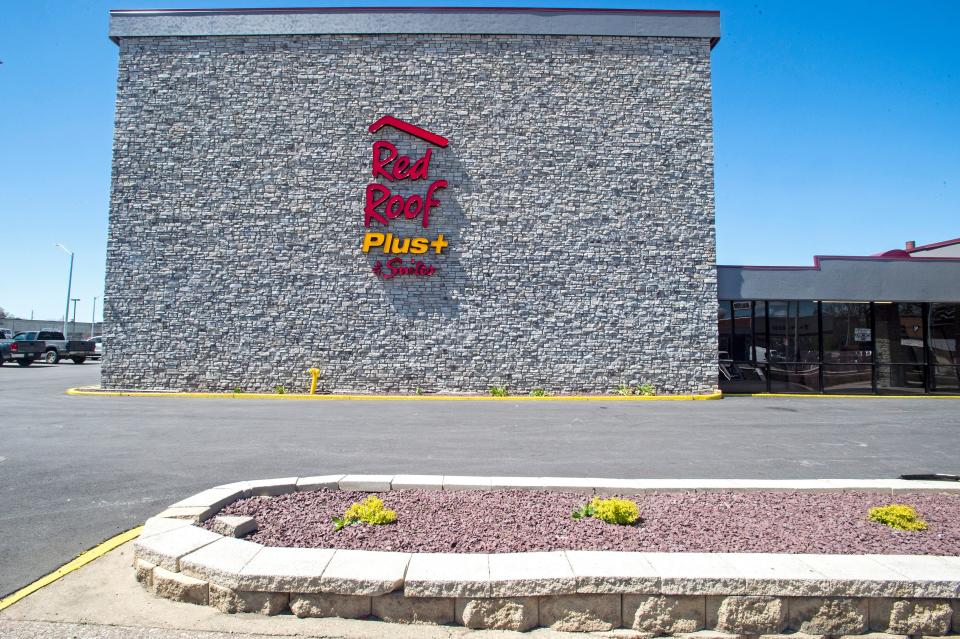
column 466, row 482
column 637, row 486
column 516, row 483
column 237, row 485
column 931, row 576
column 166, row 549
column 366, row 483
column 317, row 482
column 414, row 482
column 860, row 576
column 531, row 574
column 776, row 574
column 272, row 487
column 697, row 574
column 221, row 561
column 378, row 483
column 233, row 525
column 211, row 498
column 447, row 575
column 285, row 570
column 903, row 485
column 364, row 572
column 613, row 572
column 566, row 484
column 157, row 525
column 191, row 514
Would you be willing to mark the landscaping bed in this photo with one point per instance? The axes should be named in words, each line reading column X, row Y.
column 498, row 521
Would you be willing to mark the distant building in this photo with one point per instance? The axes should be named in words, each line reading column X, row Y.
column 887, row 323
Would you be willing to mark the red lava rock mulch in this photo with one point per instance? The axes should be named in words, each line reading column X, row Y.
column 521, row 521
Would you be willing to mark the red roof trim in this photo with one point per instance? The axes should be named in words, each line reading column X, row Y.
column 817, row 259
column 406, row 127
column 927, row 247
column 401, row 9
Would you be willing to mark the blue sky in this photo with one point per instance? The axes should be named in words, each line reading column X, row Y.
column 837, row 129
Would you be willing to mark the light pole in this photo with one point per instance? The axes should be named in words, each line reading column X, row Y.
column 93, row 317
column 74, row 321
column 66, row 313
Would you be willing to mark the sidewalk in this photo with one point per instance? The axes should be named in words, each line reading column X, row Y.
column 102, row 600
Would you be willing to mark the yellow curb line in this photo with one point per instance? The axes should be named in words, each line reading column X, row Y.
column 426, row 398
column 82, row 560
column 832, row 395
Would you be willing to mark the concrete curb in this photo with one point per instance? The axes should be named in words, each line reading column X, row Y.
column 663, row 593
column 96, row 391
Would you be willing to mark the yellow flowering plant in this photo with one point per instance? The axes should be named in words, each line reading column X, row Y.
column 899, row 516
column 369, row 511
column 613, row 511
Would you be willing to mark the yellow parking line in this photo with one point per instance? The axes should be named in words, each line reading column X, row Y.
column 82, row 559
column 428, row 398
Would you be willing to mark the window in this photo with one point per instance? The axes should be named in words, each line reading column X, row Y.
column 943, row 326
column 793, row 345
column 899, row 343
column 738, row 371
column 794, row 335
column 723, row 329
column 741, row 346
column 810, row 346
column 847, row 347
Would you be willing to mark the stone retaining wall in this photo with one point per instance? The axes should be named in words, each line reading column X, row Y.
column 656, row 593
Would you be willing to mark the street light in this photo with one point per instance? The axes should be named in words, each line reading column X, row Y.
column 93, row 317
column 66, row 313
column 74, row 322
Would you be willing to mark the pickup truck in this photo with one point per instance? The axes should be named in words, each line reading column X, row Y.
column 58, row 347
column 21, row 350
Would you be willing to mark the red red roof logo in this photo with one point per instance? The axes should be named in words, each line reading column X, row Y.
column 406, row 127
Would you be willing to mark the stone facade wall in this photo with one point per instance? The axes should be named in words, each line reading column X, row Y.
column 579, row 213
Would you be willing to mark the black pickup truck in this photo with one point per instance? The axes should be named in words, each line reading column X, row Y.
column 21, row 350
column 58, row 347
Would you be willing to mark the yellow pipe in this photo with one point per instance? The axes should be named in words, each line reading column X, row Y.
column 315, row 375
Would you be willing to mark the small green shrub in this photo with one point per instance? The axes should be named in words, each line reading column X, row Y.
column 584, row 511
column 237, row 389
column 639, row 389
column 419, row 391
column 279, row 390
column 622, row 512
column 540, row 392
column 369, row 511
column 898, row 516
column 499, row 391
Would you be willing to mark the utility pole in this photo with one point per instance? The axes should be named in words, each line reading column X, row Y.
column 74, row 323
column 66, row 313
column 93, row 317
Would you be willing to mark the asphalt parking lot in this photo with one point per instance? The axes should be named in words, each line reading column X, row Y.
column 77, row 470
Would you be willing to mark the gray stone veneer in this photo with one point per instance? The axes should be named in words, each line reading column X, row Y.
column 579, row 213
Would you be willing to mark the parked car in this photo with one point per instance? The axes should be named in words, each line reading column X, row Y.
column 59, row 347
column 97, row 342
column 21, row 349
column 6, row 333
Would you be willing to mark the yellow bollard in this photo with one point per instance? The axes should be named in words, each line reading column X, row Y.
column 315, row 374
